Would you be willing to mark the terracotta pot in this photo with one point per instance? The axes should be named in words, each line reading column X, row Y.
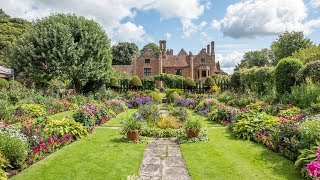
column 133, row 135
column 192, row 133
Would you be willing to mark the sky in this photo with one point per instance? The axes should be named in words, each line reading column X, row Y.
column 236, row 26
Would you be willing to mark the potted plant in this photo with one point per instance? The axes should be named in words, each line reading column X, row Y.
column 132, row 127
column 193, row 127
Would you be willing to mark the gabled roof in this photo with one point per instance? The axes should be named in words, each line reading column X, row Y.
column 182, row 53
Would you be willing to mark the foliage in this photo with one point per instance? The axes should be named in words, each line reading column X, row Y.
column 209, row 82
column 135, row 82
column 288, row 43
column 310, row 131
column 303, row 95
column 13, row 149
column 180, row 112
column 3, row 164
column 184, row 102
column 123, row 52
column 179, row 91
column 4, row 84
column 64, row 46
column 254, row 58
column 290, row 112
column 306, row 156
column 156, row 97
column 164, row 133
column 206, row 105
column 32, row 110
column 309, row 54
column 114, row 82
column 148, row 83
column 193, row 124
column 312, row 71
column 188, row 83
column 86, row 116
column 152, row 48
column 168, row 122
column 11, row 29
column 249, row 124
column 263, row 79
column 134, row 123
column 172, row 97
column 224, row 114
column 170, row 80
column 235, row 80
column 149, row 112
column 59, row 128
column 137, row 101
column 285, row 74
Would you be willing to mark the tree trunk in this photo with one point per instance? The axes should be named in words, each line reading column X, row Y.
column 77, row 85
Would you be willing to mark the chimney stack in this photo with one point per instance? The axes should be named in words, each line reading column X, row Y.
column 208, row 49
column 163, row 48
column 212, row 48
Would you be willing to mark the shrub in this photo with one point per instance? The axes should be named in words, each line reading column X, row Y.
column 137, row 101
column 224, row 114
column 170, row 80
column 149, row 112
column 173, row 96
column 13, row 149
column 303, row 95
column 285, row 74
column 306, row 156
column 3, row 164
column 193, row 124
column 59, row 128
column 180, row 112
column 15, row 84
column 188, row 83
column 179, row 91
column 165, row 133
column 134, row 123
column 114, row 82
column 289, row 113
column 310, row 131
column 209, row 82
column 312, row 71
column 4, row 84
column 248, row 125
column 135, row 82
column 86, row 116
column 235, row 82
column 263, row 79
column 156, row 97
column 148, row 83
column 168, row 122
column 32, row 110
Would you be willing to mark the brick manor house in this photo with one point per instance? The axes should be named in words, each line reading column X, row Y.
column 197, row 67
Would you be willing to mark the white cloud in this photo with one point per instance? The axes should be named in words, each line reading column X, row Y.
column 251, row 18
column 130, row 32
column 229, row 60
column 315, row 3
column 168, row 36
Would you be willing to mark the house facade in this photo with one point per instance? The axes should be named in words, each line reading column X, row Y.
column 197, row 67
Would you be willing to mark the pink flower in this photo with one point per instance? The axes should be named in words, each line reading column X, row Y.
column 314, row 169
column 318, row 154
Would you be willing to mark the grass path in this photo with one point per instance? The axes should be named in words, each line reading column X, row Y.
column 223, row 157
column 60, row 116
column 98, row 156
column 115, row 122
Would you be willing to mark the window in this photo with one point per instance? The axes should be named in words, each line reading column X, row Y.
column 147, row 71
column 178, row 72
column 147, row 61
column 163, row 70
column 203, row 61
column 203, row 74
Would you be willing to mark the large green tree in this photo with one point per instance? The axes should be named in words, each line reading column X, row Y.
column 152, row 48
column 254, row 58
column 287, row 44
column 10, row 30
column 122, row 53
column 309, row 54
column 64, row 46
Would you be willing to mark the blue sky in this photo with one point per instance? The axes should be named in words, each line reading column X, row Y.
column 235, row 26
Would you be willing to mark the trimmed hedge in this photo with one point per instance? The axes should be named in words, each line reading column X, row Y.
column 312, row 71
column 114, row 82
column 285, row 74
column 156, row 97
column 135, row 82
column 188, row 83
column 209, row 82
column 173, row 96
column 170, row 80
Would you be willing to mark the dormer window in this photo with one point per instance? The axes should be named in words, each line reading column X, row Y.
column 147, row 61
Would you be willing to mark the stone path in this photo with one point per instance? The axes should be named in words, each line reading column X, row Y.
column 163, row 160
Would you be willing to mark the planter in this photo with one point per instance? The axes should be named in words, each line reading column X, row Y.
column 192, row 133
column 133, row 135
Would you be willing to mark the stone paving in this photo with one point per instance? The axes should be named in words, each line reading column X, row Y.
column 163, row 160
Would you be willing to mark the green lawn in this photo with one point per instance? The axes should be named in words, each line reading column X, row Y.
column 223, row 157
column 115, row 122
column 62, row 115
column 98, row 156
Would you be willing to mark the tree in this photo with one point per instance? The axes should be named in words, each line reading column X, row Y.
column 64, row 46
column 152, row 48
column 11, row 29
column 254, row 58
column 122, row 53
column 309, row 54
column 287, row 44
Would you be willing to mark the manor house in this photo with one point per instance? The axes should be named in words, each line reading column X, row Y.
column 197, row 67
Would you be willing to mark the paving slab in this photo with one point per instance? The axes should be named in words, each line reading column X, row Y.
column 163, row 160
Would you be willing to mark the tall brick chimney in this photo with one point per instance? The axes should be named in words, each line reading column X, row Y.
column 208, row 49
column 163, row 48
column 212, row 48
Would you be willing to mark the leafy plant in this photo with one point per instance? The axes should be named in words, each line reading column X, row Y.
column 133, row 124
column 135, row 82
column 193, row 124
column 3, row 164
column 4, row 84
column 306, row 156
column 188, row 83
column 168, row 122
column 32, row 110
column 59, row 128
column 310, row 131
column 156, row 97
